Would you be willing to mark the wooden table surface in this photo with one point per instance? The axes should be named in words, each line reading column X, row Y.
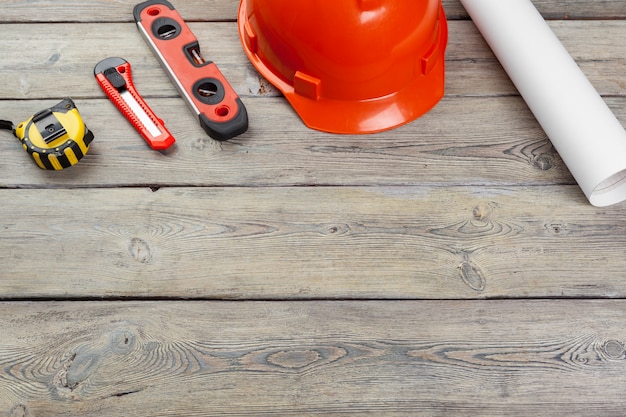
column 449, row 267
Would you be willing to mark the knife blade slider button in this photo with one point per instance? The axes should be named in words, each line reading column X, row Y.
column 115, row 78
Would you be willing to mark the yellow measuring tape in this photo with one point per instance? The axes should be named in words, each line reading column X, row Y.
column 55, row 138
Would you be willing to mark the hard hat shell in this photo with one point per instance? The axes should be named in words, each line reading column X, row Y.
column 349, row 66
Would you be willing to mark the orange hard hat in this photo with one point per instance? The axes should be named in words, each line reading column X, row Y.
column 349, row 66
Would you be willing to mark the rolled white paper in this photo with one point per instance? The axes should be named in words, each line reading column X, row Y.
column 583, row 130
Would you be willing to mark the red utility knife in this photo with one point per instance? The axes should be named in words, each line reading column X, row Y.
column 205, row 89
column 114, row 76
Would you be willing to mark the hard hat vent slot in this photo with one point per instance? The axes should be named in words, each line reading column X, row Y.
column 307, row 86
column 431, row 57
column 251, row 39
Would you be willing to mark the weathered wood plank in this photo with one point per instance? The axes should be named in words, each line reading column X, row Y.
column 462, row 141
column 219, row 10
column 62, row 62
column 468, row 140
column 467, row 203
column 109, row 10
column 313, row 359
column 310, row 242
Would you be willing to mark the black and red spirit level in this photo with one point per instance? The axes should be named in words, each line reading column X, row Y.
column 205, row 89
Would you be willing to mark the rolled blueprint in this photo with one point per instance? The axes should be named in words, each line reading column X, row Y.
column 583, row 130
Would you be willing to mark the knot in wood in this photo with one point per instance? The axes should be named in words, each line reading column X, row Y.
column 543, row 162
column 556, row 228
column 482, row 212
column 335, row 229
column 296, row 359
column 614, row 350
column 20, row 410
column 472, row 275
column 140, row 250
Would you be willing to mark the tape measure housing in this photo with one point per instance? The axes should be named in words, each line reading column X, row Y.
column 55, row 138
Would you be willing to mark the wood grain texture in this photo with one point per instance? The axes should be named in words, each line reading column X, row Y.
column 450, row 267
column 473, row 358
column 220, row 10
column 492, row 141
column 278, row 150
column 310, row 242
column 63, row 61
